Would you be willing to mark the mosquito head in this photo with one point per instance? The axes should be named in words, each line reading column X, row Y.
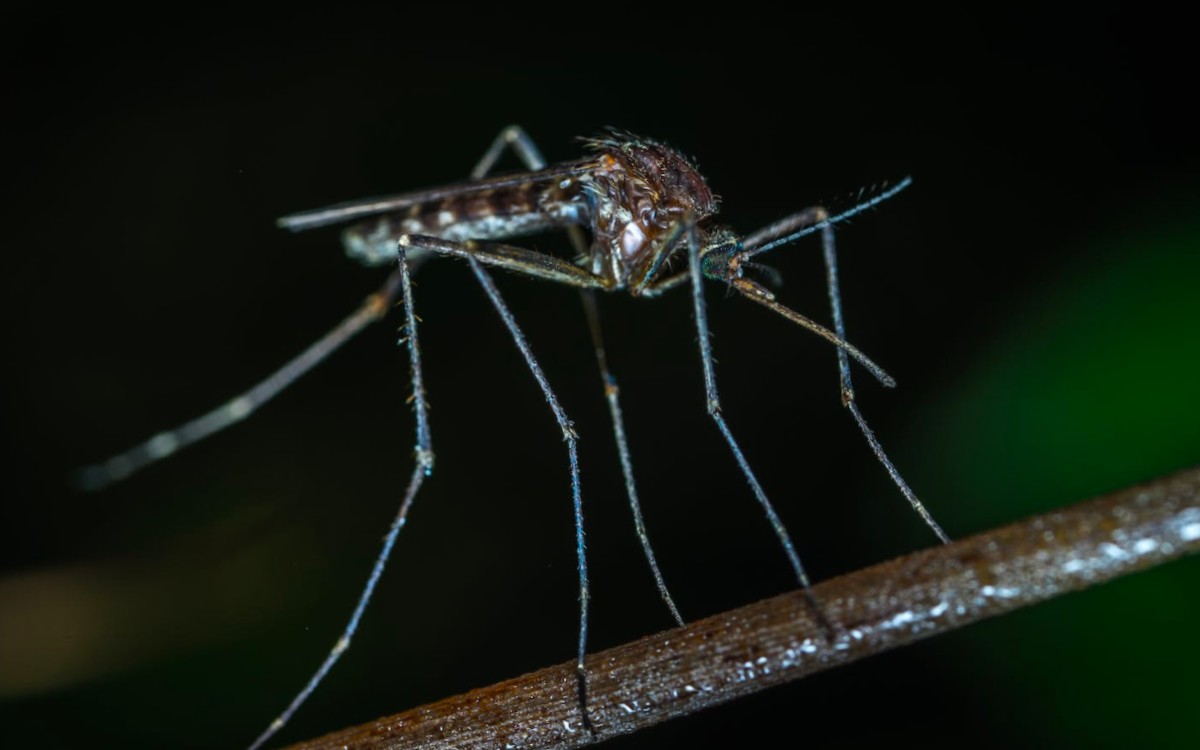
column 720, row 254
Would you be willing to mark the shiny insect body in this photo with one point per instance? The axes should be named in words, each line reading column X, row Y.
column 642, row 221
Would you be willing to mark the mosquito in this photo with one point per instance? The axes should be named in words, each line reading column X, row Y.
column 641, row 219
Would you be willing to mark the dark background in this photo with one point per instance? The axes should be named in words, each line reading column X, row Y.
column 1035, row 294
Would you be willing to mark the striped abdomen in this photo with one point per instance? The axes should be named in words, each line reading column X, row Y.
column 476, row 212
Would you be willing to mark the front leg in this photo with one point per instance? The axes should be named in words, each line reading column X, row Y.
column 789, row 229
column 713, row 400
column 848, row 400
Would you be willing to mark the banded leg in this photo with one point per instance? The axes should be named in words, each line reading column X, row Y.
column 518, row 140
column 423, row 468
column 788, row 230
column 166, row 443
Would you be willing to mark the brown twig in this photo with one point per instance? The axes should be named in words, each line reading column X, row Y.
column 713, row 661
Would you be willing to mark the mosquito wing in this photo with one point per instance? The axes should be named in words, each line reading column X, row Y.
column 558, row 176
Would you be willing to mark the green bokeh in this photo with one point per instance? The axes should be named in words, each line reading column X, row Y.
column 1091, row 387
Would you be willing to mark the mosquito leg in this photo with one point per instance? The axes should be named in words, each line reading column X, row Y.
column 611, row 392
column 514, row 137
column 789, row 230
column 572, row 440
column 518, row 140
column 714, row 408
column 477, row 254
column 120, row 466
column 835, row 300
column 423, row 468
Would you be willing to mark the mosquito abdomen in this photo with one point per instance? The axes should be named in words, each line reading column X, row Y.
column 495, row 213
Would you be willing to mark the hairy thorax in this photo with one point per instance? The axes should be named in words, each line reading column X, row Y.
column 638, row 193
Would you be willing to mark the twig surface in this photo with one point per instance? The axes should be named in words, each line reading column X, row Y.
column 718, row 659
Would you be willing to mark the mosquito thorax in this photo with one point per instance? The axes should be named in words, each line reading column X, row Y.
column 640, row 190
